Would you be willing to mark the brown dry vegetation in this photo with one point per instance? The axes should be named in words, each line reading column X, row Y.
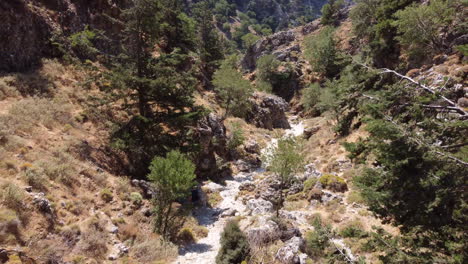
column 51, row 140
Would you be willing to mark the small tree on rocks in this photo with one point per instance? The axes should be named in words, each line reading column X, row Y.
column 234, row 245
column 174, row 177
column 285, row 161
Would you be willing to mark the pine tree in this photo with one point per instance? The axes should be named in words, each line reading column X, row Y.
column 209, row 44
column 234, row 245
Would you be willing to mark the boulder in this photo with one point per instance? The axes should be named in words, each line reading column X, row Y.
column 289, row 253
column 247, row 186
column 308, row 132
column 278, row 41
column 268, row 111
column 42, row 203
column 211, row 135
column 252, row 147
column 149, row 190
column 259, row 206
column 228, row 213
column 267, row 232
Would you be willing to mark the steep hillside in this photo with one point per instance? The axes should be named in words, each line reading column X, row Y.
column 233, row 132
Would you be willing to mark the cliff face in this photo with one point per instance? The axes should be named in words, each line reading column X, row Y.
column 31, row 27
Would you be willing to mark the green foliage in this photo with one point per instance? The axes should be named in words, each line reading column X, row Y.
column 237, row 136
column 186, row 236
column 353, row 229
column 233, row 90
column 419, row 26
column 106, row 195
column 318, row 240
column 267, row 66
column 463, row 49
column 330, row 12
column 82, row 44
column 234, row 245
column 311, row 96
column 286, row 160
column 136, row 198
column 373, row 22
column 322, row 53
column 249, row 39
column 309, row 184
column 333, row 182
column 208, row 39
column 174, row 178
column 12, row 197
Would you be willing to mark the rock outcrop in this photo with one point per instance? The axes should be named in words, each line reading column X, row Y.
column 277, row 44
column 289, row 253
column 33, row 27
column 212, row 138
column 268, row 111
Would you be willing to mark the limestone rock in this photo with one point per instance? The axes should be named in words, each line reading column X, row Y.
column 289, row 253
column 268, row 111
column 259, row 206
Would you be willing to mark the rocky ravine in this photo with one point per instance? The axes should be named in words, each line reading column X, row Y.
column 206, row 249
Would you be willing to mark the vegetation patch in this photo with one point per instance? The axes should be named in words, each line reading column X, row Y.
column 333, row 182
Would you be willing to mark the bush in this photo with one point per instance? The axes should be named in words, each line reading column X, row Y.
column 322, row 53
column 106, row 195
column 234, row 245
column 34, row 178
column 7, row 88
column 233, row 89
column 12, row 197
column 81, row 43
column 136, row 199
column 333, row 183
column 314, row 194
column 59, row 169
column 353, row 229
column 186, row 236
column 318, row 240
column 9, row 225
column 309, row 184
column 419, row 26
column 311, row 96
column 237, row 136
column 355, row 197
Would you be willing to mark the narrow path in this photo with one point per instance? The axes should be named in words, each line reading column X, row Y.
column 206, row 249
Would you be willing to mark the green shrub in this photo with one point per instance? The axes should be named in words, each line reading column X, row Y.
column 355, row 197
column 419, row 26
column 322, row 53
column 234, row 245
column 12, row 197
column 136, row 198
column 333, row 183
column 186, row 236
column 81, row 43
column 353, row 229
column 35, row 178
column 311, row 96
column 237, row 136
column 318, row 240
column 309, row 184
column 106, row 195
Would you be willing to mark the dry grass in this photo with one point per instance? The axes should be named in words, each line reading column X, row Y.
column 153, row 249
column 93, row 240
column 25, row 115
column 13, row 197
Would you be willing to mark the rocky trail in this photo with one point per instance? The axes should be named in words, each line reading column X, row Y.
column 206, row 249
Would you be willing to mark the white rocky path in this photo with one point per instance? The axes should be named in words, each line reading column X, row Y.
column 206, row 249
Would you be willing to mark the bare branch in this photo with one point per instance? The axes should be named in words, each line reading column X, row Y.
column 429, row 89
